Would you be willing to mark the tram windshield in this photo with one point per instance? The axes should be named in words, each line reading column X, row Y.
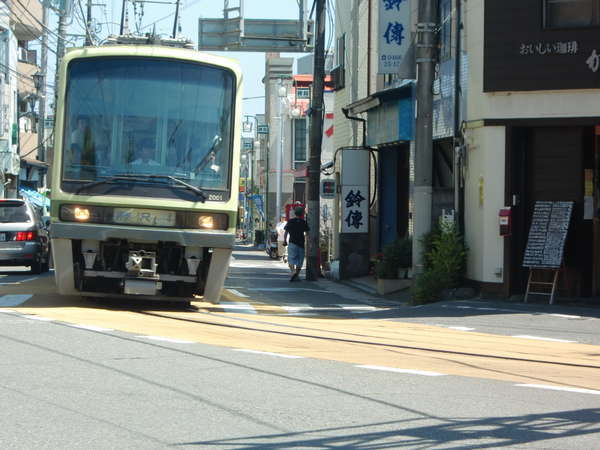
column 141, row 116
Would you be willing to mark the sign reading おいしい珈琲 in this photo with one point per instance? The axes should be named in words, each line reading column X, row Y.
column 394, row 34
column 547, row 235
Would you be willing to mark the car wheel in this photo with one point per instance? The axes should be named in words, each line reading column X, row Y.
column 45, row 266
column 36, row 267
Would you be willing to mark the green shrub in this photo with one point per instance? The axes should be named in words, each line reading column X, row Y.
column 397, row 254
column 444, row 258
column 448, row 255
column 426, row 287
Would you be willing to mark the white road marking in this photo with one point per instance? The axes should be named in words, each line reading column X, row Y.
column 283, row 277
column 280, row 355
column 566, row 316
column 359, row 307
column 14, row 299
column 297, row 308
column 42, row 319
column 560, row 388
column 539, row 338
column 164, row 339
column 236, row 292
column 287, row 290
column 246, row 266
column 247, row 307
column 90, row 327
column 8, row 311
column 462, row 328
column 411, row 371
column 19, row 281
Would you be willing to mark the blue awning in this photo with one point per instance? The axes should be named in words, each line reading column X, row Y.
column 35, row 198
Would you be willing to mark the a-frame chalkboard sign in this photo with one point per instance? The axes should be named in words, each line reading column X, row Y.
column 546, row 242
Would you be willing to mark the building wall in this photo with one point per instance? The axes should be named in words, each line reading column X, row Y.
column 486, row 146
column 9, row 159
column 508, row 105
column 484, row 196
column 278, row 73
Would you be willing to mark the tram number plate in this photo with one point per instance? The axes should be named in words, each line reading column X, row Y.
column 147, row 217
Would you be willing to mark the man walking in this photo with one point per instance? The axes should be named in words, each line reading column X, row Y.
column 296, row 229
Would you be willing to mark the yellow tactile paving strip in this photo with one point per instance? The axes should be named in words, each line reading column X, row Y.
column 363, row 342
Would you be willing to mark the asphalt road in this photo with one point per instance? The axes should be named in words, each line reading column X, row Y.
column 293, row 365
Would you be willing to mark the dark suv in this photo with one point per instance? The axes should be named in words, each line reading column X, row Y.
column 23, row 236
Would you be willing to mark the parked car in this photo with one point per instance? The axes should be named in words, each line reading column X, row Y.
column 24, row 237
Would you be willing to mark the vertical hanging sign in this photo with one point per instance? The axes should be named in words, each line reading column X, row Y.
column 394, row 34
column 355, row 209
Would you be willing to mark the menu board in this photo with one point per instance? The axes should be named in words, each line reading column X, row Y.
column 547, row 235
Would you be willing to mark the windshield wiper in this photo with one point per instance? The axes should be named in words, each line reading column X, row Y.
column 107, row 180
column 143, row 177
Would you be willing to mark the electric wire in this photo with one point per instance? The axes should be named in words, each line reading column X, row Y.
column 88, row 32
column 50, row 136
column 48, row 30
column 20, row 12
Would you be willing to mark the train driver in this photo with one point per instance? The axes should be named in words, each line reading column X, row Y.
column 145, row 155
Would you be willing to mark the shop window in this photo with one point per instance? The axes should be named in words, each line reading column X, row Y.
column 300, row 139
column 571, row 13
column 446, row 30
column 302, row 92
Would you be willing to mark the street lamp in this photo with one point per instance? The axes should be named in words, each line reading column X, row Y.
column 38, row 81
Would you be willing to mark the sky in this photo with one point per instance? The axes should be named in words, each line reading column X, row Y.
column 162, row 15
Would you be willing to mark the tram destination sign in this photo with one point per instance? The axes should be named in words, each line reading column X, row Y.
column 547, row 235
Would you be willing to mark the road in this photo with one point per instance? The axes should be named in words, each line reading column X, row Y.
column 293, row 365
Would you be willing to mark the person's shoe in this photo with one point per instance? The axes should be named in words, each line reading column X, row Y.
column 294, row 277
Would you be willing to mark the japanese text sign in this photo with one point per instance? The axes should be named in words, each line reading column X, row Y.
column 355, row 209
column 394, row 34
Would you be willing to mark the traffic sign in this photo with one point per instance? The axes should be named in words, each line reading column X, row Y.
column 262, row 129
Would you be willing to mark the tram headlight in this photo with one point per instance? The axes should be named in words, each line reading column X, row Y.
column 78, row 213
column 82, row 214
column 208, row 221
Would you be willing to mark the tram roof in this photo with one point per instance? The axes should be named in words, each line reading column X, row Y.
column 156, row 51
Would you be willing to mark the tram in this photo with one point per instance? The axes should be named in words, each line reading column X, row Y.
column 146, row 160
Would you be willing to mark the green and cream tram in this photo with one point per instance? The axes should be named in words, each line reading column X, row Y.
column 145, row 174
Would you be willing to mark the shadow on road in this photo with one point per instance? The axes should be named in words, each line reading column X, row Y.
column 492, row 432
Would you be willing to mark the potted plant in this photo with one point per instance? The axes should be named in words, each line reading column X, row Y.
column 390, row 270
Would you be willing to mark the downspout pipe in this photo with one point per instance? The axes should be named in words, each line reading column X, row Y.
column 346, row 112
column 458, row 137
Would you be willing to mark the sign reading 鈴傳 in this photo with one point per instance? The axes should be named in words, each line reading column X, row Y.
column 394, row 34
column 355, row 209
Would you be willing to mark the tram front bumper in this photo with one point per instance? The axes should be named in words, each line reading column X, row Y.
column 186, row 238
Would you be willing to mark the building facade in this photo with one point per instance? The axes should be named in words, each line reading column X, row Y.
column 20, row 161
column 532, row 135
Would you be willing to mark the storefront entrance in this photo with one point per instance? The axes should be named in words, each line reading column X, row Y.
column 553, row 163
column 393, row 189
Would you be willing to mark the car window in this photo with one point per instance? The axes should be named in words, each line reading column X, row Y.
column 13, row 212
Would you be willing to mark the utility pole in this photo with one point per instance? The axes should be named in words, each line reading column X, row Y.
column 425, row 59
column 176, row 19
column 60, row 51
column 42, row 102
column 123, row 7
column 88, row 24
column 316, row 136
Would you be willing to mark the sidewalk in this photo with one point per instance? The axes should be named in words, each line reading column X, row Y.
column 368, row 284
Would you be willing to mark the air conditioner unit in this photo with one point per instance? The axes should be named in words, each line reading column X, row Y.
column 22, row 54
column 338, row 78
